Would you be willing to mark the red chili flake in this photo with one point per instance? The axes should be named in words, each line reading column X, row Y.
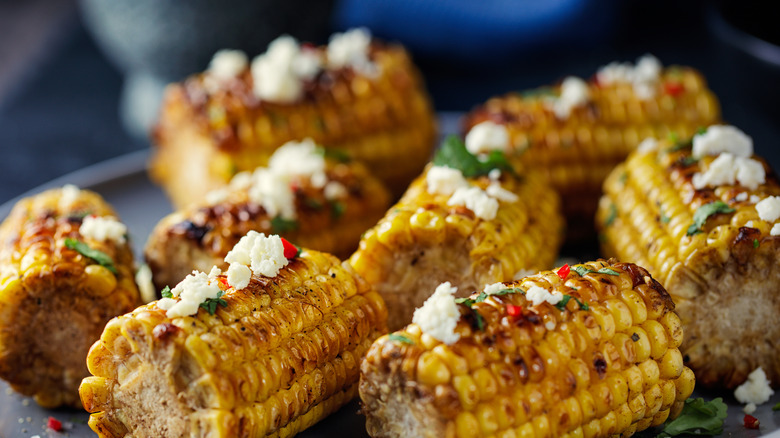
column 223, row 282
column 751, row 422
column 290, row 250
column 54, row 424
column 673, row 88
column 563, row 272
column 295, row 187
column 513, row 310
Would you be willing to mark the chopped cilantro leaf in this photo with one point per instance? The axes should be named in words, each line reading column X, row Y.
column 755, row 243
column 334, row 154
column 166, row 292
column 776, row 407
column 583, row 305
column 400, row 338
column 100, row 257
column 337, row 209
column 453, row 153
column 698, row 417
column 280, row 225
column 582, row 270
column 211, row 303
column 704, row 212
column 562, row 303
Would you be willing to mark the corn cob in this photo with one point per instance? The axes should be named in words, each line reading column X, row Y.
column 604, row 362
column 422, row 241
column 276, row 357
column 721, row 268
column 54, row 300
column 385, row 120
column 200, row 236
column 577, row 152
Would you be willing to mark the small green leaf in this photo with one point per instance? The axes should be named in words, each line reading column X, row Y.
column 607, row 271
column 453, row 154
column 337, row 209
column 334, row 154
column 468, row 302
column 582, row 270
column 279, row 225
column 755, row 243
column 611, row 216
column 776, row 407
column 400, row 338
column 704, row 212
column 166, row 292
column 479, row 320
column 583, row 305
column 688, row 161
column 211, row 303
column 100, row 257
column 698, row 417
column 562, row 303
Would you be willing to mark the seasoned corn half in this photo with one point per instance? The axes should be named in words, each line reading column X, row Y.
column 429, row 236
column 212, row 126
column 269, row 359
column 603, row 361
column 61, row 279
column 326, row 210
column 713, row 247
column 577, row 131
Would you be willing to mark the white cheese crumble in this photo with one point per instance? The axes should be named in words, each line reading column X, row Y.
column 273, row 192
column 728, row 169
column 491, row 289
column 643, row 77
column 238, row 275
column 742, row 197
column 755, row 390
column 538, row 295
column 195, row 289
column 495, row 190
column 574, row 93
column 749, row 224
column 487, row 136
column 755, row 199
column 775, row 231
column 335, row 190
column 350, row 49
column 264, row 254
column 476, row 200
column 722, row 138
column 103, row 229
column 749, row 408
column 143, row 278
column 227, row 64
column 278, row 74
column 69, row 195
column 439, row 315
column 769, row 208
column 444, row 180
column 299, row 158
column 647, row 145
column 494, row 174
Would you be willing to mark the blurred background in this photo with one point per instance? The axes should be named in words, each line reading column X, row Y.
column 80, row 81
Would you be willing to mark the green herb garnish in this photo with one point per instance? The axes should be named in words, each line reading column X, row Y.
column 312, row 203
column 698, row 417
column 582, row 270
column 483, row 296
column 583, row 306
column 664, row 218
column 704, row 212
column 400, row 338
column 755, row 243
column 211, row 303
column 280, row 225
column 566, row 298
column 688, row 161
column 479, row 319
column 166, row 292
column 337, row 209
column 611, row 216
column 776, row 407
column 334, row 154
column 453, row 153
column 100, row 257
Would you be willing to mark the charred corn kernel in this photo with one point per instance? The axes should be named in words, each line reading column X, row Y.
column 577, row 152
column 422, row 241
column 204, row 136
column 263, row 365
column 725, row 256
column 546, row 386
column 54, row 298
column 200, row 235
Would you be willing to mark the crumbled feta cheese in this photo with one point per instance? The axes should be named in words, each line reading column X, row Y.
column 749, row 224
column 495, row 190
column 476, row 200
column 439, row 315
column 647, row 145
column 238, row 275
column 755, row 199
column 549, row 325
column 769, row 208
column 538, row 295
column 143, row 278
column 643, row 77
column 487, row 136
column 490, row 289
column 719, row 138
column 273, row 192
column 775, row 231
column 742, row 197
column 749, row 408
column 70, row 194
column 103, row 228
column 728, row 169
column 350, row 49
column 299, row 158
column 519, row 275
column 444, row 180
column 195, row 289
column 278, row 74
column 755, row 390
column 335, row 190
column 494, row 174
column 574, row 93
column 227, row 64
column 265, row 255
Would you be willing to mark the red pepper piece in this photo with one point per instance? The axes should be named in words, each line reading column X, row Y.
column 54, row 424
column 513, row 310
column 223, row 282
column 290, row 250
column 563, row 272
column 673, row 88
column 751, row 422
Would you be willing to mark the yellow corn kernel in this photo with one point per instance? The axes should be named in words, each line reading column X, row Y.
column 468, row 393
column 99, row 280
column 431, row 370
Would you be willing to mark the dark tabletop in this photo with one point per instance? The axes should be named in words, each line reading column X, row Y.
column 60, row 114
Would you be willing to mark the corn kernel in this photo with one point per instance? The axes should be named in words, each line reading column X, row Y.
column 431, row 370
column 99, row 280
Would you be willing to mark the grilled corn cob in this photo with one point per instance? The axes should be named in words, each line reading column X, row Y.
column 604, row 362
column 56, row 293
column 424, row 239
column 209, row 130
column 329, row 214
column 273, row 358
column 708, row 246
column 577, row 151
